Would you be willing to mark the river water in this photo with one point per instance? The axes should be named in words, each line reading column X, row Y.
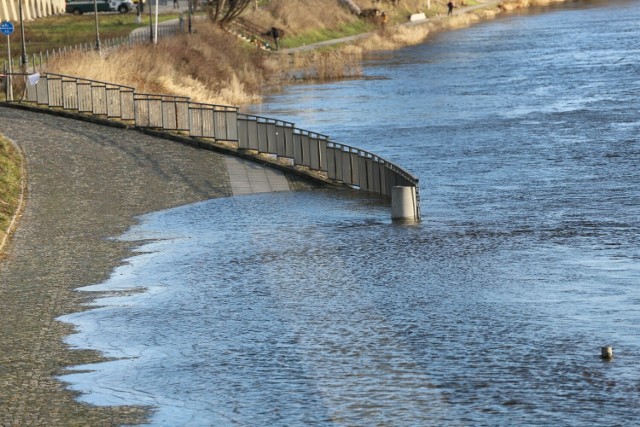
column 312, row 308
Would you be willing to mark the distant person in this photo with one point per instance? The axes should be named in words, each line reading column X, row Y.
column 175, row 4
column 450, row 5
column 275, row 33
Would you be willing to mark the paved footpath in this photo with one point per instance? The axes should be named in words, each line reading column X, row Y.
column 86, row 183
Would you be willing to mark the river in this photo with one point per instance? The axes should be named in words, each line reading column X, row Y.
column 313, row 308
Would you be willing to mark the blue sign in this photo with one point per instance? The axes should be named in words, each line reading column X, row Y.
column 6, row 28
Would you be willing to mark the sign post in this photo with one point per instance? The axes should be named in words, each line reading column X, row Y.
column 7, row 28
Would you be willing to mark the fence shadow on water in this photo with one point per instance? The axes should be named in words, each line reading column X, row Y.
column 298, row 150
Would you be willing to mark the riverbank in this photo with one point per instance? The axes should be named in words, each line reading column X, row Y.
column 415, row 32
column 214, row 66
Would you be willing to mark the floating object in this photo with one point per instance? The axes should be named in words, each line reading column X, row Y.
column 606, row 352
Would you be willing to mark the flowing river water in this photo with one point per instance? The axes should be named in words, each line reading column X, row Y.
column 313, row 308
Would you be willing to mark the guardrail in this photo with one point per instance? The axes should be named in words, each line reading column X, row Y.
column 292, row 146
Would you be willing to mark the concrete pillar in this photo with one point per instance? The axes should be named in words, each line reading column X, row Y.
column 606, row 352
column 404, row 203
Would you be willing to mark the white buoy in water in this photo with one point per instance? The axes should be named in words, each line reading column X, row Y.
column 404, row 203
column 607, row 352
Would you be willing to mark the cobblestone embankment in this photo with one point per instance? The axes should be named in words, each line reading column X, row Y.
column 86, row 183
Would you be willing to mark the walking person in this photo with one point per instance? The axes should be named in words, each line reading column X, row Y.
column 275, row 33
column 450, row 5
column 383, row 19
column 175, row 4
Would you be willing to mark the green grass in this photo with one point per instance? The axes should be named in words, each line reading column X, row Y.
column 320, row 35
column 10, row 183
column 55, row 32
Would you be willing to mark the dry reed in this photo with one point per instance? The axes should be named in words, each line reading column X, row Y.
column 326, row 65
column 510, row 5
column 208, row 67
column 299, row 16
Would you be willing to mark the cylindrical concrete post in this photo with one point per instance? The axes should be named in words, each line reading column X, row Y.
column 404, row 203
column 606, row 352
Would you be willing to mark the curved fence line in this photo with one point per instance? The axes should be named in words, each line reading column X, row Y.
column 292, row 146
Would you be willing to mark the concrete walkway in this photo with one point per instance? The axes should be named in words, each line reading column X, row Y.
column 248, row 177
column 87, row 183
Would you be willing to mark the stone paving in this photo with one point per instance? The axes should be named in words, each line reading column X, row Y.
column 249, row 178
column 86, row 183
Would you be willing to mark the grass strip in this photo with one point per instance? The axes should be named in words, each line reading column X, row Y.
column 58, row 31
column 324, row 34
column 10, row 187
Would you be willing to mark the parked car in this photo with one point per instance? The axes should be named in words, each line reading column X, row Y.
column 124, row 6
column 78, row 7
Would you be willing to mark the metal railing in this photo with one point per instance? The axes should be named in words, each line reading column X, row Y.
column 295, row 147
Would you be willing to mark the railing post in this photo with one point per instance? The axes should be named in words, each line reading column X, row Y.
column 404, row 204
column 8, row 81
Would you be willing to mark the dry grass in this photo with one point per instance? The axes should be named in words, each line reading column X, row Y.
column 510, row 5
column 325, row 64
column 209, row 66
column 213, row 66
column 393, row 38
column 299, row 16
column 10, row 186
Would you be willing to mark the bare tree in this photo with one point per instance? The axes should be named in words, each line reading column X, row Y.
column 225, row 11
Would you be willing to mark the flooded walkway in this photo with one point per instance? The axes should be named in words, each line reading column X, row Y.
column 249, row 178
column 86, row 184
